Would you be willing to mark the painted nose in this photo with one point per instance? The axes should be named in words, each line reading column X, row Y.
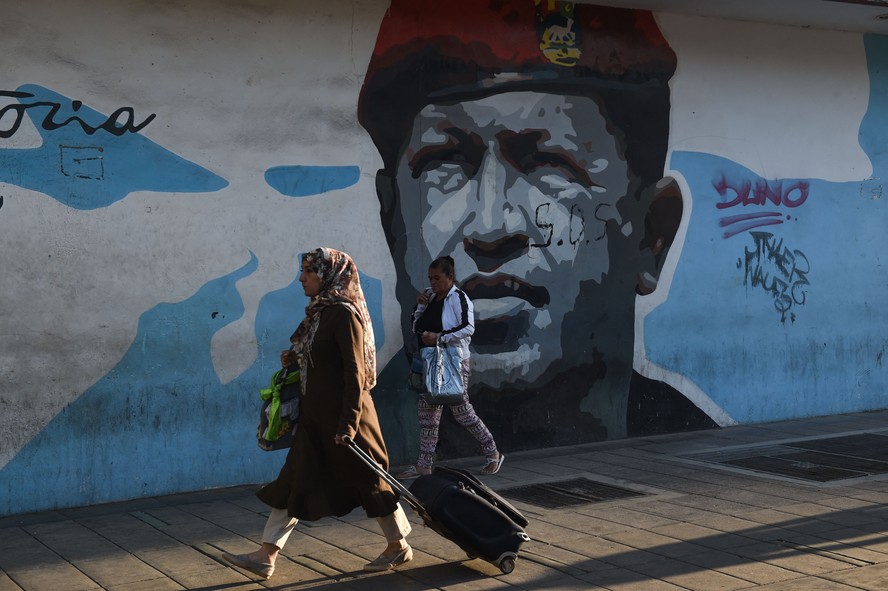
column 492, row 207
column 498, row 230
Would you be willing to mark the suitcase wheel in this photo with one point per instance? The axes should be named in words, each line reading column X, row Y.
column 507, row 565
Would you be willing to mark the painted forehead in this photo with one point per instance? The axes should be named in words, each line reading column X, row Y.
column 565, row 117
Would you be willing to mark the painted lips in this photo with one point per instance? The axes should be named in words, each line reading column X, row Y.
column 505, row 286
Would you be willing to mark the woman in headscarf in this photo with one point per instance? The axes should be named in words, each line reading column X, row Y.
column 336, row 355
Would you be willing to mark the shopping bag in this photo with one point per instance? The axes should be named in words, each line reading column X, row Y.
column 442, row 373
column 279, row 412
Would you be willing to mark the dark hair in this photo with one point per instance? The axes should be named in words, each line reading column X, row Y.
column 445, row 264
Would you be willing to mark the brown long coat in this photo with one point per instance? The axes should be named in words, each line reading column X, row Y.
column 319, row 477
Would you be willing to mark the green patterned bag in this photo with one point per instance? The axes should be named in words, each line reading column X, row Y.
column 279, row 414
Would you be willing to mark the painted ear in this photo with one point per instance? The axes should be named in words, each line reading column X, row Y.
column 660, row 227
column 392, row 226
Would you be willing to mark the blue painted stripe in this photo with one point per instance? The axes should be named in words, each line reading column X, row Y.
column 302, row 181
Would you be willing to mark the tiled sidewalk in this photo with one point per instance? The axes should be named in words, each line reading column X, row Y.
column 699, row 525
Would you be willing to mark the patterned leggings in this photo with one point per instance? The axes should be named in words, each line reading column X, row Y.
column 463, row 413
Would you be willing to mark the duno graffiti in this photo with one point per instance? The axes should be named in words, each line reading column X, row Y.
column 118, row 123
column 758, row 192
column 777, row 270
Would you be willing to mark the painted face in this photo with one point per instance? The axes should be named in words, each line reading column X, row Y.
column 522, row 190
column 311, row 282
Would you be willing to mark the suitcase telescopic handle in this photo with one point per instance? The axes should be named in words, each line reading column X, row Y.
column 391, row 480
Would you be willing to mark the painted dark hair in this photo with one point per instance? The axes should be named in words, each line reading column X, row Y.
column 432, row 52
column 444, row 264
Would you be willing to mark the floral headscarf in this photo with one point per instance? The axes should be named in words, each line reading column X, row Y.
column 339, row 285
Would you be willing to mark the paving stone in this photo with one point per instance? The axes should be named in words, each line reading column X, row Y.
column 47, row 577
column 162, row 584
column 726, row 523
column 655, row 543
column 874, row 496
column 797, row 493
column 805, row 509
column 671, row 510
column 74, row 542
column 559, row 555
column 712, row 504
column 7, row 584
column 830, row 543
column 189, row 567
column 392, row 581
column 687, row 576
column 611, row 552
column 552, row 533
column 770, row 517
column 741, row 568
column 625, row 580
column 528, row 574
column 129, row 532
column 486, row 584
column 13, row 537
column 444, row 576
column 338, row 559
column 791, row 558
column 845, row 502
column 628, row 516
column 118, row 569
column 867, row 577
column 569, row 520
column 33, row 566
column 753, row 498
column 350, row 534
column 700, row 536
column 810, row 584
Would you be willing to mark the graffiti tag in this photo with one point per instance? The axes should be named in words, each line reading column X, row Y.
column 117, row 123
column 759, row 192
column 777, row 270
column 576, row 226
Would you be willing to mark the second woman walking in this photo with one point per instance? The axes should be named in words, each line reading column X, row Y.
column 445, row 314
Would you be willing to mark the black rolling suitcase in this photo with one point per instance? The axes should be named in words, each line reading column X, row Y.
column 464, row 510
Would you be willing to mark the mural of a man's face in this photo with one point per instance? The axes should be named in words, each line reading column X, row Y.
column 524, row 190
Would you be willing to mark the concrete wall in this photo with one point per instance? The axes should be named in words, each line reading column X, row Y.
column 163, row 164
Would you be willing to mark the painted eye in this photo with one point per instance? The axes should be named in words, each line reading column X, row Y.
column 446, row 160
column 446, row 176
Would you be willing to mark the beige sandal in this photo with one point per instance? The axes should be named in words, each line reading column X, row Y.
column 493, row 465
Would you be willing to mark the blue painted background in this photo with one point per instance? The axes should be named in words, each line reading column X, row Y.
column 827, row 356
column 161, row 421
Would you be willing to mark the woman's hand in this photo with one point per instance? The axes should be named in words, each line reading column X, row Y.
column 429, row 338
column 423, row 297
column 288, row 358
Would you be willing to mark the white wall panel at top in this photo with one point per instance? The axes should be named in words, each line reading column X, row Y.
column 237, row 87
column 784, row 101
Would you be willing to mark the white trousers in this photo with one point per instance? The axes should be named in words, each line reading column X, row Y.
column 279, row 526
